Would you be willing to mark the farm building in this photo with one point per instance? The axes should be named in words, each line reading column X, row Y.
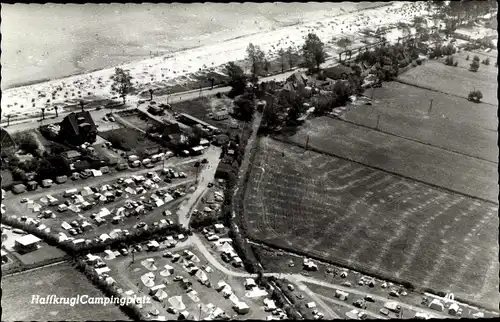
column 27, row 243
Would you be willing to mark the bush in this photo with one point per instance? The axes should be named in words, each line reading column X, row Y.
column 475, row 96
column 476, row 58
column 474, row 66
column 455, row 64
column 419, row 61
column 467, row 58
column 486, row 61
column 414, row 63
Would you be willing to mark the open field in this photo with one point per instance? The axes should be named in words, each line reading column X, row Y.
column 457, row 81
column 61, row 280
column 131, row 140
column 418, row 161
column 454, row 124
column 372, row 220
column 201, row 107
column 128, row 275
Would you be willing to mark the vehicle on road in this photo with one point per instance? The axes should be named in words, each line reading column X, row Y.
column 24, row 200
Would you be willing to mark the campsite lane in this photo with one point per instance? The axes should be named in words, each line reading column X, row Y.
column 205, row 176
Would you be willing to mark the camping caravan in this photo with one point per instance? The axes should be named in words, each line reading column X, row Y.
column 241, row 308
column 70, row 192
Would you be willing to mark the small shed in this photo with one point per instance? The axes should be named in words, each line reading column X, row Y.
column 27, row 243
column 219, row 228
column 32, row 185
column 341, row 295
column 453, row 309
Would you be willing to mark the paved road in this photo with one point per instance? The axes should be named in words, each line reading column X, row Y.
column 305, row 279
column 326, row 308
column 342, row 303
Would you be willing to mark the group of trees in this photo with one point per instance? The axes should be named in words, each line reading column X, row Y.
column 475, row 96
column 449, row 61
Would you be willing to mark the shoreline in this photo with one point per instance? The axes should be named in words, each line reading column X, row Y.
column 188, row 61
column 177, row 51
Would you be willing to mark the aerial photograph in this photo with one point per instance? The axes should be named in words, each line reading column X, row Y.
column 249, row 161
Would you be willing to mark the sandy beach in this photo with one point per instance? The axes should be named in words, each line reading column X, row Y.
column 223, row 46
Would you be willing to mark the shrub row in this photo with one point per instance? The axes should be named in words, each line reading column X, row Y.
column 299, row 307
column 95, row 246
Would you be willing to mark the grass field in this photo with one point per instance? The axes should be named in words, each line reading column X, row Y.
column 130, row 140
column 456, row 80
column 418, row 161
column 370, row 219
column 61, row 280
column 454, row 123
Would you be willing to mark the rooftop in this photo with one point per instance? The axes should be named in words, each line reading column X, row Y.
column 28, row 240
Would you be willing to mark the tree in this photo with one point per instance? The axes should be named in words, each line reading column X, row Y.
column 82, row 105
column 256, row 57
column 122, row 82
column 27, row 142
column 211, row 79
column 237, row 79
column 344, row 43
column 474, row 66
column 476, row 58
column 313, row 51
column 290, row 52
column 475, row 96
column 486, row 61
column 43, row 113
column 56, row 110
column 151, row 93
column 282, row 58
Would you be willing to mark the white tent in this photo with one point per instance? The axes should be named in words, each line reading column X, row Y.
column 478, row 315
column 86, row 191
column 176, row 302
column 201, row 275
column 436, row 305
column 149, row 263
column 104, row 212
column 96, row 173
column 167, row 271
column 148, row 279
column 109, row 255
column 453, row 309
column 168, row 198
column 160, row 295
column 159, row 202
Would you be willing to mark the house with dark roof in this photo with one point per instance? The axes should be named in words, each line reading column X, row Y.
column 338, row 72
column 78, row 128
column 6, row 141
